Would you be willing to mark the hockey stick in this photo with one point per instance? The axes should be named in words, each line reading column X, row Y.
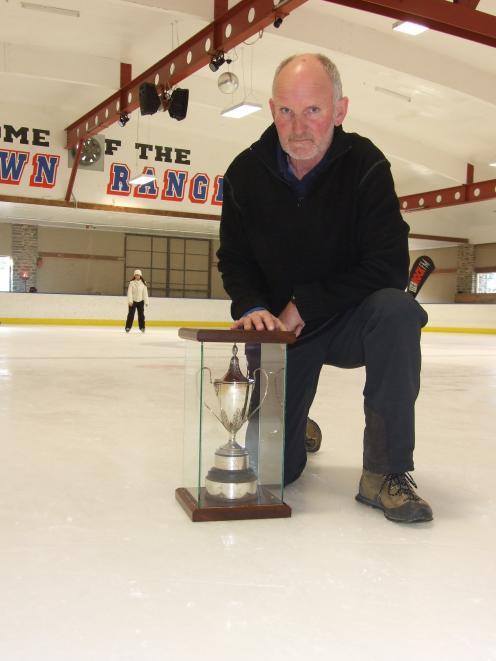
column 421, row 269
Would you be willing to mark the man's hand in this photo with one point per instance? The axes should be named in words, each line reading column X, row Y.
column 259, row 320
column 290, row 318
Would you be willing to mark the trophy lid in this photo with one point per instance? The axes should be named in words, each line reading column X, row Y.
column 234, row 373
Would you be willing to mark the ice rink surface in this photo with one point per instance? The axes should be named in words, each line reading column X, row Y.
column 99, row 562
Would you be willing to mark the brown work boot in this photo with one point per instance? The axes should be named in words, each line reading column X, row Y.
column 394, row 495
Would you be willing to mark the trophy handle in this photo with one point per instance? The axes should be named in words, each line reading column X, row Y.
column 262, row 399
column 200, row 373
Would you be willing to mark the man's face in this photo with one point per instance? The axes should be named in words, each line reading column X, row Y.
column 304, row 111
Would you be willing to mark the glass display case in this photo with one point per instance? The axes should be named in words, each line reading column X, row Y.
column 233, row 449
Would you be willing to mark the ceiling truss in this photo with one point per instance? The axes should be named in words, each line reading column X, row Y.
column 450, row 197
column 460, row 19
column 248, row 17
column 233, row 27
column 229, row 28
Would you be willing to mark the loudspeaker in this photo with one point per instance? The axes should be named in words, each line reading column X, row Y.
column 149, row 99
column 178, row 104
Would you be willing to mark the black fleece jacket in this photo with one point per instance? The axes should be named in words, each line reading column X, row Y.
column 331, row 249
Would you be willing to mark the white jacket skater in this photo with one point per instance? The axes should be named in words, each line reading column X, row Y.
column 137, row 298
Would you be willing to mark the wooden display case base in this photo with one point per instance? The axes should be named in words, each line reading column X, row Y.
column 265, row 507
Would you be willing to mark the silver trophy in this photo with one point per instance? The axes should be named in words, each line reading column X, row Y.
column 231, row 479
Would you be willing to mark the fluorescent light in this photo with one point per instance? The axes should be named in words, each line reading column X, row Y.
column 241, row 109
column 397, row 95
column 409, row 28
column 493, row 165
column 143, row 179
column 51, row 10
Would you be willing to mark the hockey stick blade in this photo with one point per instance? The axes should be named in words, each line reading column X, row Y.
column 421, row 269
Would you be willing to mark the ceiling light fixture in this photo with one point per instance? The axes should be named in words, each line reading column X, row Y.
column 246, row 106
column 241, row 109
column 143, row 179
column 493, row 165
column 51, row 10
column 123, row 119
column 409, row 28
column 147, row 174
column 397, row 95
column 218, row 59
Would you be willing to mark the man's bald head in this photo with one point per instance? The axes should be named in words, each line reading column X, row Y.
column 328, row 65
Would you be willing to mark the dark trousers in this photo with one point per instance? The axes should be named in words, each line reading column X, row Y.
column 382, row 334
column 141, row 315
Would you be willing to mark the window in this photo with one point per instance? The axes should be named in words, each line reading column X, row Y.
column 5, row 273
column 172, row 267
column 486, row 283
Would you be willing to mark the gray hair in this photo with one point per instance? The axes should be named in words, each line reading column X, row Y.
column 329, row 67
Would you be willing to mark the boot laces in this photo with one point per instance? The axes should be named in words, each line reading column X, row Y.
column 401, row 483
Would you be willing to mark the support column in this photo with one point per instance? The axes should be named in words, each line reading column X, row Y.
column 465, row 274
column 24, row 256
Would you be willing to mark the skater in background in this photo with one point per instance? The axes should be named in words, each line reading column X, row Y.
column 137, row 298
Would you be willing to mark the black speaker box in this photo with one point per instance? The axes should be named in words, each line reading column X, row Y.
column 149, row 100
column 178, row 104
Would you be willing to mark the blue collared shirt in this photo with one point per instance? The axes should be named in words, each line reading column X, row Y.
column 300, row 186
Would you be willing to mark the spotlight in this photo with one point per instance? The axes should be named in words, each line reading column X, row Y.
column 278, row 22
column 123, row 119
column 218, row 60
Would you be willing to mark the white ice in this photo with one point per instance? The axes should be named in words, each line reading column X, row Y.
column 99, row 563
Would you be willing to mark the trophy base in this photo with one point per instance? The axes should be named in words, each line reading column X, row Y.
column 231, row 485
column 266, row 506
